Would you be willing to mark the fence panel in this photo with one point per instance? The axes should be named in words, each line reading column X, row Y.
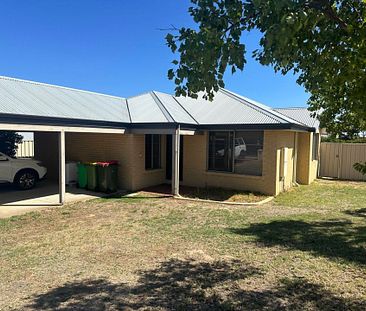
column 25, row 149
column 337, row 159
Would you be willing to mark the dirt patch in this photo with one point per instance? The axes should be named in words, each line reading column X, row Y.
column 210, row 193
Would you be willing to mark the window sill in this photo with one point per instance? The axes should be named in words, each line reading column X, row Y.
column 220, row 173
column 153, row 170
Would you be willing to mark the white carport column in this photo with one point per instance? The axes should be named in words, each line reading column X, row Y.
column 62, row 180
column 175, row 162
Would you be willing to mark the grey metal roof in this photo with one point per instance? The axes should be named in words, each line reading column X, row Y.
column 144, row 109
column 27, row 98
column 178, row 113
column 301, row 115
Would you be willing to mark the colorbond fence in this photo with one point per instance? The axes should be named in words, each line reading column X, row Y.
column 337, row 159
column 25, row 149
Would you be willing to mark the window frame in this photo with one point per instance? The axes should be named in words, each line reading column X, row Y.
column 232, row 171
column 151, row 156
column 208, row 152
column 315, row 147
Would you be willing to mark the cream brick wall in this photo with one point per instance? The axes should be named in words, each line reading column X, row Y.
column 196, row 174
column 144, row 178
column 129, row 150
column 306, row 167
column 90, row 147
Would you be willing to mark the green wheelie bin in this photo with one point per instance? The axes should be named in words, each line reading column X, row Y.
column 82, row 175
column 107, row 176
column 92, row 181
column 102, row 176
column 112, row 176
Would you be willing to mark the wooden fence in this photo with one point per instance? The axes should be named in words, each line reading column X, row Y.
column 25, row 149
column 337, row 159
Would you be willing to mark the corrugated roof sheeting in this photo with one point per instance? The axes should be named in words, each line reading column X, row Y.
column 37, row 99
column 224, row 109
column 178, row 113
column 27, row 98
column 262, row 107
column 144, row 109
column 301, row 115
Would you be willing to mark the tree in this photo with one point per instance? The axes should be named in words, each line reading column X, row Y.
column 322, row 41
column 360, row 167
column 9, row 141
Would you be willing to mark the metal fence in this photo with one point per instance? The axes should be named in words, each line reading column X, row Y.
column 337, row 159
column 25, row 149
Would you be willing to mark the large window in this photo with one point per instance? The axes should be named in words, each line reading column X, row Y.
column 152, row 151
column 237, row 152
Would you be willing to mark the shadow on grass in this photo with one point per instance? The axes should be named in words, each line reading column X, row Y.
column 357, row 213
column 337, row 239
column 191, row 285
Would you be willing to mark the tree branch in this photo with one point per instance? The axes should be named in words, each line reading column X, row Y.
column 325, row 7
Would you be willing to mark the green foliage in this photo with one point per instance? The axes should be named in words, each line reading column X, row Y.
column 360, row 167
column 323, row 41
column 332, row 139
column 9, row 141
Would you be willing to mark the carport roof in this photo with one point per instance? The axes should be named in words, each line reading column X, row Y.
column 28, row 98
column 32, row 100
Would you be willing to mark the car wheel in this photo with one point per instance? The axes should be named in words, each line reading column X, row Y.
column 26, row 180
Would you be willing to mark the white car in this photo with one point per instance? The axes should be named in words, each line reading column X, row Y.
column 239, row 149
column 24, row 173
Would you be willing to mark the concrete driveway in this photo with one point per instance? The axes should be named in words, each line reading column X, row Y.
column 45, row 194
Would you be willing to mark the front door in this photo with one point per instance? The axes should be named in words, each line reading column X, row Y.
column 169, row 155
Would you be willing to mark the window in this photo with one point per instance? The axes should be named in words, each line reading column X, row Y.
column 248, row 153
column 220, row 151
column 237, row 152
column 315, row 146
column 152, row 151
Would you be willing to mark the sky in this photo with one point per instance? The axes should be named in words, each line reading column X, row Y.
column 116, row 47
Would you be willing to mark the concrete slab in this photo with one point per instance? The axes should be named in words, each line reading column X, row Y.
column 45, row 194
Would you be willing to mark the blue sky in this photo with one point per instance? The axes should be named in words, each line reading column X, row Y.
column 115, row 47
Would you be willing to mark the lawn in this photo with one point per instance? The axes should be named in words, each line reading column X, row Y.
column 306, row 250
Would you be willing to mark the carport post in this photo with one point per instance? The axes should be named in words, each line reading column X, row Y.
column 62, row 186
column 175, row 162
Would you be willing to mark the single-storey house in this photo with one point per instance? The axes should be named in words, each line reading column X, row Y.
column 230, row 142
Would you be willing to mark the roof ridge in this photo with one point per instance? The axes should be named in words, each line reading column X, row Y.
column 256, row 107
column 184, row 109
column 128, row 110
column 163, row 109
column 291, row 108
column 139, row 94
column 58, row 86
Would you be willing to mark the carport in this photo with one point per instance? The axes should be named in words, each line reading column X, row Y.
column 60, row 132
column 27, row 106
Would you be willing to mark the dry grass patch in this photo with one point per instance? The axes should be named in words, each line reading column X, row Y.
column 165, row 254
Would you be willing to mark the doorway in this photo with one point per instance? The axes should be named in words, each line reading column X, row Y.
column 169, row 155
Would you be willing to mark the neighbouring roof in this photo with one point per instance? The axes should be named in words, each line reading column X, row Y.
column 301, row 115
column 28, row 99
